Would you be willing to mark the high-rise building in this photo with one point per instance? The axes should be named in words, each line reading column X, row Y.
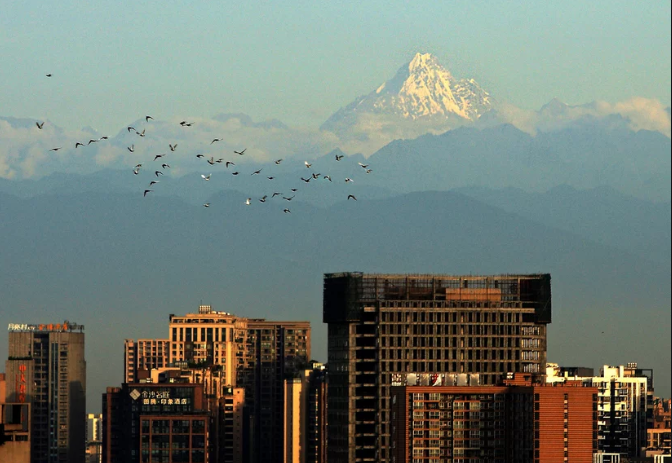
column 46, row 368
column 274, row 352
column 226, row 350
column 144, row 354
column 305, row 416
column 519, row 421
column 623, row 406
column 155, row 423
column 380, row 325
column 94, row 438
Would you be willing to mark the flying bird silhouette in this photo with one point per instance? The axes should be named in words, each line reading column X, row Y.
column 276, row 194
column 206, row 177
column 158, row 156
column 48, row 75
column 278, row 162
column 172, row 147
column 348, row 180
column 229, row 163
column 200, row 156
column 256, row 172
column 55, row 149
column 352, row 197
column 206, row 205
column 248, row 201
column 240, row 152
column 92, row 141
column 339, row 157
column 211, row 161
column 147, row 118
column 131, row 148
column 158, row 172
column 363, row 166
column 153, row 182
column 215, row 139
column 78, row 144
column 129, row 128
column 286, row 211
column 235, row 173
column 308, row 165
column 165, row 166
column 146, row 191
column 39, row 126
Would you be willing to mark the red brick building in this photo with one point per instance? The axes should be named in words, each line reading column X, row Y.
column 520, row 421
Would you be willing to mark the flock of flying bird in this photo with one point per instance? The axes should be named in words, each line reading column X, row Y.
column 158, row 172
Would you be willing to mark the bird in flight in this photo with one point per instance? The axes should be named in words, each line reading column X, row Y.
column 147, row 118
column 339, row 157
column 229, row 163
column 368, row 171
column 206, row 205
column 142, row 134
column 48, row 75
column 348, row 180
column 215, row 139
column 240, row 152
column 146, row 191
column 131, row 148
column 263, row 199
column 211, row 161
column 276, row 194
column 307, row 180
column 103, row 138
column 172, row 147
column 248, row 201
column 158, row 172
column 39, row 126
column 327, row 177
column 293, row 190
column 78, row 144
column 286, row 211
column 316, row 176
column 92, row 141
column 158, row 156
column 55, row 149
column 352, row 197
column 270, row 178
column 129, row 128
column 308, row 165
column 206, row 177
column 256, row 172
column 235, row 173
column 278, row 162
column 219, row 161
column 363, row 166
column 165, row 166
column 288, row 198
column 138, row 166
column 199, row 156
column 153, row 182
column 136, row 171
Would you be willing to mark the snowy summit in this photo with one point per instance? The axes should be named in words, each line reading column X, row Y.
column 421, row 89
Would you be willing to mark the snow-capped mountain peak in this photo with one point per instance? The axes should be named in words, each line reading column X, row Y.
column 422, row 89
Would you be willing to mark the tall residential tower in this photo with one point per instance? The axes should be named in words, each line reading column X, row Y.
column 384, row 325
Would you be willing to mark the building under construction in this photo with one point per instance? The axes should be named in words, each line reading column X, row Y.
column 381, row 325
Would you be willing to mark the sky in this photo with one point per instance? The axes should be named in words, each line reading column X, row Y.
column 300, row 61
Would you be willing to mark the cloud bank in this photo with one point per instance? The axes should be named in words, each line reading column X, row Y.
column 25, row 149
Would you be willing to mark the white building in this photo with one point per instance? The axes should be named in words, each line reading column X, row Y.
column 622, row 406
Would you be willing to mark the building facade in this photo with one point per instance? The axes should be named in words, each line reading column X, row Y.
column 144, row 354
column 517, row 422
column 152, row 423
column 624, row 393
column 46, row 369
column 382, row 325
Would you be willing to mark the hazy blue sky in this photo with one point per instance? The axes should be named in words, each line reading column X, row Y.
column 299, row 61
